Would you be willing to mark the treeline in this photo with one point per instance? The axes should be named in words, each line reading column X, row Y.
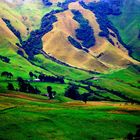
column 74, row 42
column 46, row 2
column 33, row 44
column 118, row 93
column 16, row 32
column 4, row 59
column 24, row 86
column 45, row 78
column 85, row 32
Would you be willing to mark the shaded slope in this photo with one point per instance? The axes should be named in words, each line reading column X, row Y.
column 128, row 25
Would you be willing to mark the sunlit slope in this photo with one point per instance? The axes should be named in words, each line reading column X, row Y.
column 56, row 44
column 18, row 65
column 26, row 15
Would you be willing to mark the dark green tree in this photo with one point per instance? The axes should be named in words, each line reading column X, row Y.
column 72, row 92
column 10, row 86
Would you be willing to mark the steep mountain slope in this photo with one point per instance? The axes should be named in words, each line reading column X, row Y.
column 57, row 44
column 128, row 24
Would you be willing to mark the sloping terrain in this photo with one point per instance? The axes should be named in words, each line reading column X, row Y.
column 57, row 44
column 68, row 39
column 128, row 24
column 100, row 55
column 33, row 117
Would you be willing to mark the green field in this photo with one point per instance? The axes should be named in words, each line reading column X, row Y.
column 34, row 117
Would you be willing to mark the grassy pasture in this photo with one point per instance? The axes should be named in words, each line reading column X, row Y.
column 34, row 117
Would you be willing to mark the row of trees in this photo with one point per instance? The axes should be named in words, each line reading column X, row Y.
column 45, row 78
column 24, row 86
column 73, row 93
column 16, row 32
column 7, row 74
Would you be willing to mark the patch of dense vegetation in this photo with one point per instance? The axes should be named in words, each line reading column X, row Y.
column 73, row 92
column 33, row 45
column 101, row 10
column 6, row 74
column 4, row 59
column 85, row 33
column 16, row 32
column 64, row 5
column 45, row 78
column 26, row 87
column 46, row 2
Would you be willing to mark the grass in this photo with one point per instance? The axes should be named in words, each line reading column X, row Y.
column 61, row 70
column 19, row 15
column 125, row 81
column 27, row 119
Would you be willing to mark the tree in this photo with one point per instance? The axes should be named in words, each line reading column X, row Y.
column 20, row 52
column 137, row 135
column 50, row 92
column 129, row 136
column 85, row 97
column 10, row 86
column 7, row 74
column 24, row 86
column 72, row 92
column 31, row 75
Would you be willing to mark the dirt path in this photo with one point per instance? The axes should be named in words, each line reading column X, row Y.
column 27, row 97
column 121, row 106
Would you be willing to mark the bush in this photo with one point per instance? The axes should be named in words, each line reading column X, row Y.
column 4, row 59
column 72, row 92
column 10, row 86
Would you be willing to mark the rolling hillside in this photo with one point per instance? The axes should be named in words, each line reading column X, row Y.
column 70, row 39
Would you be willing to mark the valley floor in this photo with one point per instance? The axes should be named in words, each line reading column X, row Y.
column 34, row 117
